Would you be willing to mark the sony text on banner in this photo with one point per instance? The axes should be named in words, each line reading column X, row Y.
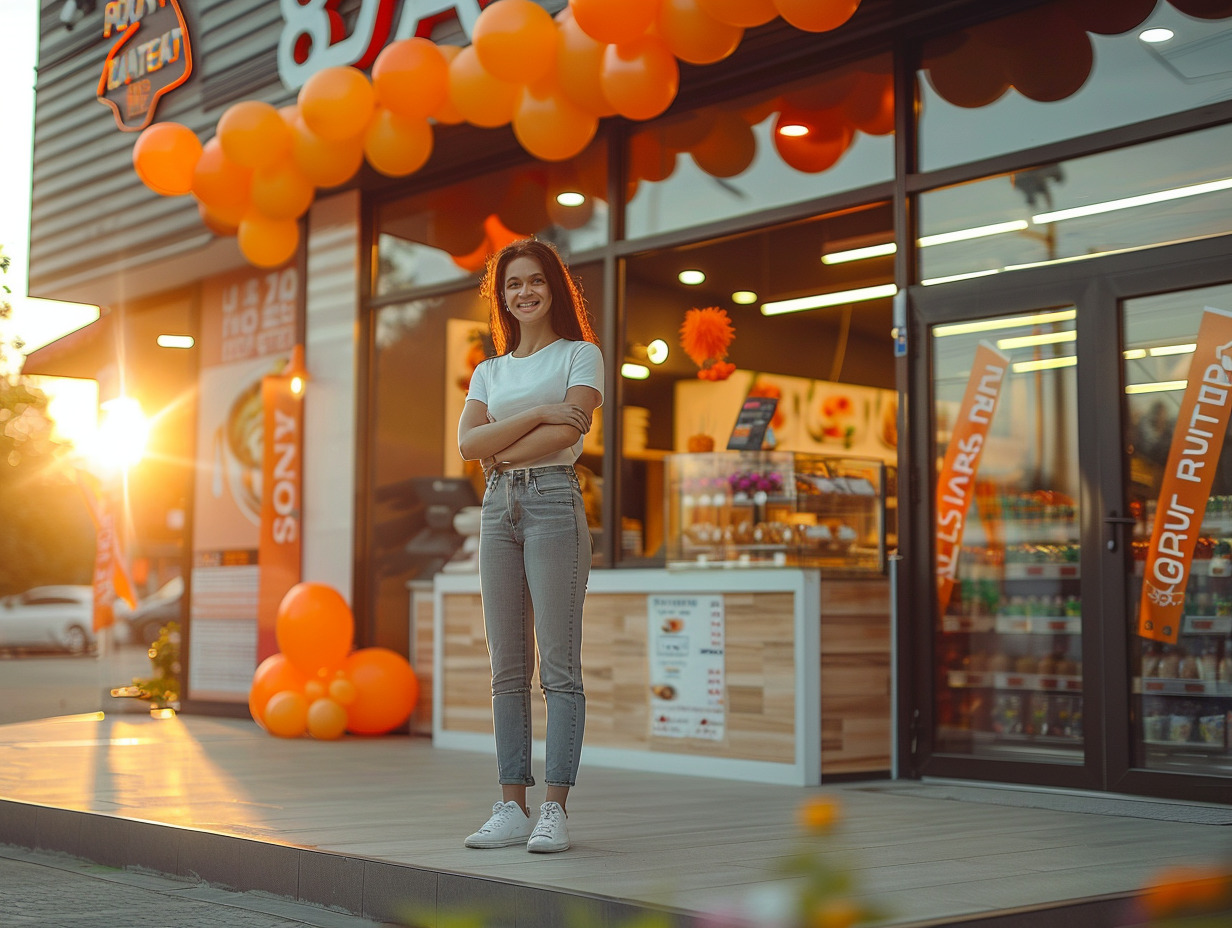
column 1193, row 458
column 956, row 480
column 281, row 525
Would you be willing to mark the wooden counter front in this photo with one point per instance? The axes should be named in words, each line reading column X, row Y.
column 772, row 637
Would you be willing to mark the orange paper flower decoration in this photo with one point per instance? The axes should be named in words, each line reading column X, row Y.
column 705, row 336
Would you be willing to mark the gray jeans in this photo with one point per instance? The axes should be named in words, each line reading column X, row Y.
column 534, row 560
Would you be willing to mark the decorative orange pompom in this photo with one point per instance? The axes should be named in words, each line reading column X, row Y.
column 705, row 334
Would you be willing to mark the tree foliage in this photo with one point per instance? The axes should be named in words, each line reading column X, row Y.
column 45, row 531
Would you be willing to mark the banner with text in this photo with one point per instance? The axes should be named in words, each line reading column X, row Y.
column 1197, row 440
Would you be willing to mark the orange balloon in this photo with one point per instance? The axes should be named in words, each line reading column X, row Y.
column 165, row 157
column 215, row 223
column 971, row 75
column 447, row 114
column 325, row 163
column 342, row 691
column 650, row 158
column 579, row 62
column 386, row 690
column 1052, row 57
column 281, row 191
column 870, row 105
column 273, row 675
column 816, row 15
column 336, row 103
column 327, row 720
column 521, row 206
column 550, row 126
column 613, row 23
column 411, row 78
column 745, row 13
column 267, row 242
column 498, row 236
column 827, row 137
column 314, row 689
column 693, row 35
column 253, row 135
column 640, row 78
column 314, row 625
column 286, row 714
column 515, row 41
column 476, row 259
column 221, row 184
column 728, row 149
column 397, row 146
column 482, row 99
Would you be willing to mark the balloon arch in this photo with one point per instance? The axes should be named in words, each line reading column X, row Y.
column 553, row 78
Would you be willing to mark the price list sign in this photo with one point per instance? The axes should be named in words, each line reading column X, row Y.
column 686, row 667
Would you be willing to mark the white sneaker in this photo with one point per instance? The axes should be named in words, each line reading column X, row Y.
column 508, row 825
column 551, row 834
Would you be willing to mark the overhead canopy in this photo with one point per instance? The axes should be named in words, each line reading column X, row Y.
column 84, row 353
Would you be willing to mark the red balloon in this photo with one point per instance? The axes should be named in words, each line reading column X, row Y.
column 640, row 78
column 165, row 157
column 314, row 625
column 816, row 15
column 826, row 139
column 728, row 149
column 273, row 675
column 386, row 690
column 613, row 23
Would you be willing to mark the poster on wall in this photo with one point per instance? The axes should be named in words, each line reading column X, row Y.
column 247, row 332
column 687, row 667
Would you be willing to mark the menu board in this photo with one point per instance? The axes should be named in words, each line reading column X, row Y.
column 687, row 685
column 756, row 413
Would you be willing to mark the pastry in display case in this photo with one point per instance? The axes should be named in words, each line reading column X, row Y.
column 776, row 508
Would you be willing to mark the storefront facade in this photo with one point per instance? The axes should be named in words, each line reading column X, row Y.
column 1033, row 177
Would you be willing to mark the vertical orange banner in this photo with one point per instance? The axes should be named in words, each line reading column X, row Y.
column 1197, row 440
column 956, row 480
column 111, row 580
column 278, row 556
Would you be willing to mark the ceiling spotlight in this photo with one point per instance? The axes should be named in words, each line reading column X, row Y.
column 1155, row 36
column 793, row 130
column 744, row 297
column 570, row 198
column 656, row 351
column 691, row 278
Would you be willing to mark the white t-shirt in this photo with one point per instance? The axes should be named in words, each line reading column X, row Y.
column 510, row 385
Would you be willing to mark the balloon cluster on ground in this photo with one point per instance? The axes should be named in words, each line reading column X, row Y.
column 551, row 79
column 317, row 685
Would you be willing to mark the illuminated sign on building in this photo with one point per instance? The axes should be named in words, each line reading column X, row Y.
column 151, row 56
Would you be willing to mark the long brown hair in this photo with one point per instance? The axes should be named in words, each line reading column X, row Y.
column 569, row 316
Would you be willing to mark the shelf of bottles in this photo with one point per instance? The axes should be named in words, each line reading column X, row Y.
column 1184, row 691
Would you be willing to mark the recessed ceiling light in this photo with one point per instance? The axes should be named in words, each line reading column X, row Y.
column 793, row 130
column 634, row 371
column 657, row 351
column 1155, row 36
column 570, row 198
column 744, row 297
column 175, row 341
column 691, row 278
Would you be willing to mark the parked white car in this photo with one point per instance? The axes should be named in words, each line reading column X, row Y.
column 59, row 618
column 142, row 625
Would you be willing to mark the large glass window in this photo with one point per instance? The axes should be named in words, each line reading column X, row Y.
column 1008, row 640
column 824, row 135
column 1063, row 70
column 1165, row 191
column 1181, row 689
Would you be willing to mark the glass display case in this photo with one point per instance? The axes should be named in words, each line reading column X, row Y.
column 772, row 508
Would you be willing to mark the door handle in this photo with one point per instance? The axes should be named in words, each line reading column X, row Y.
column 1114, row 520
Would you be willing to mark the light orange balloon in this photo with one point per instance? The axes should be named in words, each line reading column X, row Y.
column 215, row 223
column 342, row 691
column 816, row 15
column 579, row 62
column 281, row 191
column 744, row 13
column 314, row 625
column 253, row 134
column 447, row 114
column 397, row 146
column 313, row 690
column 640, row 78
column 273, row 675
column 550, row 126
column 411, row 78
column 693, row 35
column 221, row 184
column 286, row 714
column 336, row 103
column 482, row 99
column 515, row 41
column 267, row 242
column 165, row 157
column 386, row 690
column 327, row 720
column 613, row 23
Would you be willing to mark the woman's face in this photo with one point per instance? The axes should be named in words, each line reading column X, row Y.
column 526, row 291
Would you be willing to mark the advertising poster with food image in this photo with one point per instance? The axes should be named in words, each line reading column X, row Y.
column 687, row 667
column 247, row 332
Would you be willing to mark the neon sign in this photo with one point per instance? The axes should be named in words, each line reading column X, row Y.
column 151, row 57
